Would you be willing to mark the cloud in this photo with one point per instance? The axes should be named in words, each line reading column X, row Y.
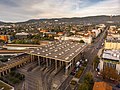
column 21, row 10
column 106, row 7
column 10, row 3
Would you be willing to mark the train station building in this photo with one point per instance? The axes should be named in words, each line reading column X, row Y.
column 62, row 54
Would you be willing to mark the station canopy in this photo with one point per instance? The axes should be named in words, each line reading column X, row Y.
column 58, row 50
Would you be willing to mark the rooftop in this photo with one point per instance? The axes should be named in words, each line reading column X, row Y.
column 101, row 86
column 22, row 33
column 62, row 50
column 111, row 54
column 22, row 45
column 4, row 86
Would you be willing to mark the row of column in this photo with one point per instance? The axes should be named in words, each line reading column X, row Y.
column 17, row 66
column 5, row 72
column 43, row 61
column 50, row 62
column 57, row 64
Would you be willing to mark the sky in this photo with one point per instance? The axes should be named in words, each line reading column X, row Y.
column 22, row 10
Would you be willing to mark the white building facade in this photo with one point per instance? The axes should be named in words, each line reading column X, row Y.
column 110, row 58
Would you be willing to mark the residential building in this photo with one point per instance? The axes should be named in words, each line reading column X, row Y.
column 22, row 35
column 60, row 33
column 112, row 42
column 86, row 39
column 96, row 31
column 110, row 58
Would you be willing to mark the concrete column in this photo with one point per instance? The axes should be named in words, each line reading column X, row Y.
column 9, row 70
column 66, row 69
column 6, row 72
column 38, row 60
column 21, row 64
column 50, row 62
column 31, row 58
column 47, row 62
column 72, row 63
column 42, row 61
column 18, row 66
column 56, row 65
column 3, row 73
column 0, row 74
column 59, row 63
column 71, row 66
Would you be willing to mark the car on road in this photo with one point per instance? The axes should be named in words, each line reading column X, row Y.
column 9, row 59
column 102, row 44
column 73, row 72
column 86, row 60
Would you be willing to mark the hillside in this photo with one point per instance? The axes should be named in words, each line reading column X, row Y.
column 77, row 20
column 91, row 19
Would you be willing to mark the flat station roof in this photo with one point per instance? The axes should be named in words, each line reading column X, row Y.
column 62, row 50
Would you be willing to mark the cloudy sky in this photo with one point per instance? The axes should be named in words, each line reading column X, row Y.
column 21, row 10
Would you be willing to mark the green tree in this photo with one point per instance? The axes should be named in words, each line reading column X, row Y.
column 81, row 41
column 83, row 86
column 12, row 73
column 110, row 73
column 96, row 62
column 88, row 78
column 2, row 41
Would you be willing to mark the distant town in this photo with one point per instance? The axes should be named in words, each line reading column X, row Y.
column 61, row 54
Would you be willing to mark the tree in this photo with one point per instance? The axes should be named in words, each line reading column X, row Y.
column 12, row 73
column 110, row 73
column 81, row 41
column 2, row 41
column 96, row 62
column 88, row 82
column 88, row 78
column 84, row 86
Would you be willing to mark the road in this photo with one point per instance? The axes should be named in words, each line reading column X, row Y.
column 47, row 78
column 65, row 83
column 90, row 52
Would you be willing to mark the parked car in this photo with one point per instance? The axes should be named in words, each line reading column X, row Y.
column 73, row 72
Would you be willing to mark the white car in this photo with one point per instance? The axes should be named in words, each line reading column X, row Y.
column 8, row 59
column 86, row 60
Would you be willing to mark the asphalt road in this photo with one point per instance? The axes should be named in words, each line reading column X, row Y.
column 90, row 54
